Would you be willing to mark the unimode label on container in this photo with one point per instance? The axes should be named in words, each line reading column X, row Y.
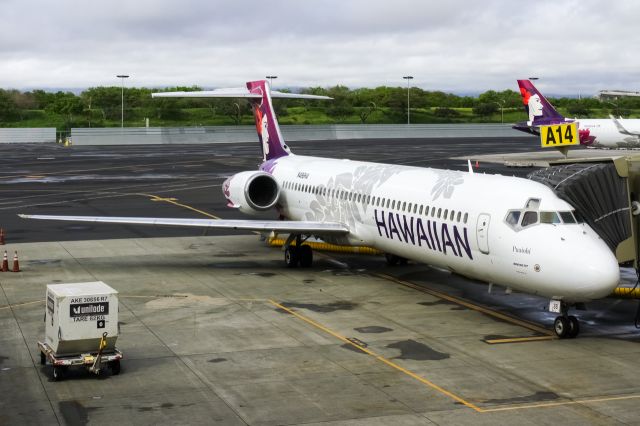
column 89, row 309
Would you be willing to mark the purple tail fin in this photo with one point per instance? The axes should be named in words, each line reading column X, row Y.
column 271, row 140
column 540, row 111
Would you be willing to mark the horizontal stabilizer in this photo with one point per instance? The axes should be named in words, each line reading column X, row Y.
column 305, row 227
column 237, row 92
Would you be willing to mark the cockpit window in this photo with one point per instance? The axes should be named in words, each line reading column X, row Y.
column 567, row 217
column 532, row 203
column 549, row 217
column 529, row 218
column 513, row 217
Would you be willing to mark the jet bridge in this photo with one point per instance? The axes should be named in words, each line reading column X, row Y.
column 605, row 193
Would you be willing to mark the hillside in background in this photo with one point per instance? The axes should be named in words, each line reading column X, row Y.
column 101, row 107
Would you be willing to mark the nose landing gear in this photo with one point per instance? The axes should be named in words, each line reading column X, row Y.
column 566, row 326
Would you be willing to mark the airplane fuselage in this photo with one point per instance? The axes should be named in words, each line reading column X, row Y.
column 453, row 220
column 604, row 133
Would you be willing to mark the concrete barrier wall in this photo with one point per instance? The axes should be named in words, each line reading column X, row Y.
column 28, row 135
column 231, row 134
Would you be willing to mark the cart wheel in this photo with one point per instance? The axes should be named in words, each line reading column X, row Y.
column 115, row 367
column 57, row 374
column 43, row 358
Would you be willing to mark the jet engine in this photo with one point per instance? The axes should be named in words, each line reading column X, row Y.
column 251, row 192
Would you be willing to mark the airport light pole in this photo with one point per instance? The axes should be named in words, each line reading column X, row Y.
column 270, row 78
column 122, row 77
column 408, row 78
column 501, row 105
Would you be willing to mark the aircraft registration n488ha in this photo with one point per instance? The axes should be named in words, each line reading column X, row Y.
column 503, row 230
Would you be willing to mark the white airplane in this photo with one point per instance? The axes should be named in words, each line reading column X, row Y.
column 597, row 132
column 503, row 230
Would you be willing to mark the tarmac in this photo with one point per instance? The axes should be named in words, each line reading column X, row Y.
column 215, row 330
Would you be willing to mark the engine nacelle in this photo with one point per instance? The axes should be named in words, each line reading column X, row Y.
column 251, row 192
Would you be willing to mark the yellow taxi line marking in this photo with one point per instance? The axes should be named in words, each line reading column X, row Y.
column 378, row 357
column 470, row 305
column 519, row 339
column 555, row 404
column 174, row 202
column 20, row 304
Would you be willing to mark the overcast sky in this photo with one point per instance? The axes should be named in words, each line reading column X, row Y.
column 469, row 46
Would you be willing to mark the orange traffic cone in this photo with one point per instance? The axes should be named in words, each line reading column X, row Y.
column 5, row 262
column 16, row 265
column 1, row 236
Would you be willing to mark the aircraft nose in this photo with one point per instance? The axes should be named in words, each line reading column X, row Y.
column 598, row 274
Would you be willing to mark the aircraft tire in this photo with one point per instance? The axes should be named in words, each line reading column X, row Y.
column 291, row 258
column 574, row 326
column 306, row 256
column 561, row 327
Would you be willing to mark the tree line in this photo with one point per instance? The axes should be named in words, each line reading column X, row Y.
column 101, row 107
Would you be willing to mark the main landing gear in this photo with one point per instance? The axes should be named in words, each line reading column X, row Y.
column 300, row 254
column 566, row 326
column 393, row 260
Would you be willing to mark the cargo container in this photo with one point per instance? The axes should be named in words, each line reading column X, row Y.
column 81, row 327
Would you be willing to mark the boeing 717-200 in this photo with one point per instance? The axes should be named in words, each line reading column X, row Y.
column 502, row 230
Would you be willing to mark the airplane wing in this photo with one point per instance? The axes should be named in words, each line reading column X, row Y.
column 239, row 92
column 621, row 128
column 307, row 227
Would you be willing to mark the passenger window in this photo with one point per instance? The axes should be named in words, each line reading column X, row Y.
column 393, row 205
column 433, row 211
column 439, row 212
column 458, row 218
column 452, row 215
column 549, row 217
column 567, row 217
column 529, row 218
column 404, row 206
column 446, row 213
column 466, row 216
column 421, row 208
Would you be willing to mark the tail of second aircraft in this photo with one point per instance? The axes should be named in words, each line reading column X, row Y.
column 539, row 110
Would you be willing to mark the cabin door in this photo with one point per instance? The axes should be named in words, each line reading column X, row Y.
column 482, row 232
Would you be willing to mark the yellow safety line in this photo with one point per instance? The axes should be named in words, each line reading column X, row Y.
column 555, row 404
column 519, row 339
column 378, row 357
column 469, row 305
column 20, row 304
